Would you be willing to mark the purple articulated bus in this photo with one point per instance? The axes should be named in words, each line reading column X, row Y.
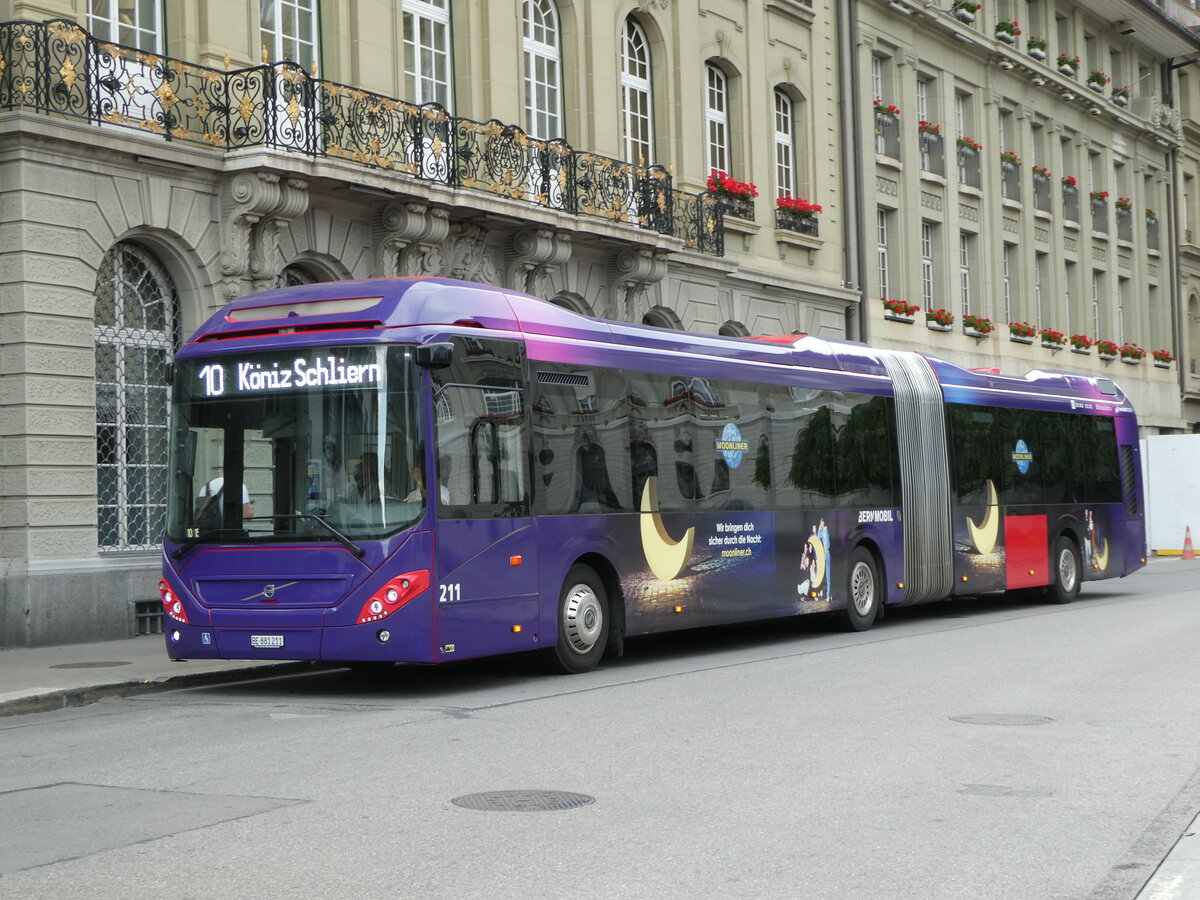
column 425, row 470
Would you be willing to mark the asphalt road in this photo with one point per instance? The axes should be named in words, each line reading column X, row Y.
column 992, row 748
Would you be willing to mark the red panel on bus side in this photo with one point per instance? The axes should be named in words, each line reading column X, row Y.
column 1028, row 556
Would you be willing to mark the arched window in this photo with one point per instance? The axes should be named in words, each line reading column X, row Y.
column 427, row 61
column 636, row 98
column 785, row 146
column 716, row 119
column 296, row 274
column 661, row 317
column 137, row 314
column 733, row 329
column 543, row 70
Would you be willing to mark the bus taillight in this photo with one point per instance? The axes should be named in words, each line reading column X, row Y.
column 170, row 602
column 393, row 595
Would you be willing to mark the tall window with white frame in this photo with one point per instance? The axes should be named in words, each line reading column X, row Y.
column 288, row 30
column 427, row 58
column 133, row 24
column 637, row 107
column 1097, row 300
column 1040, row 273
column 136, row 331
column 785, row 146
column 1070, row 273
column 882, row 239
column 877, row 87
column 923, row 116
column 928, row 273
column 716, row 118
column 1009, row 264
column 543, row 70
column 965, row 242
column 1122, row 309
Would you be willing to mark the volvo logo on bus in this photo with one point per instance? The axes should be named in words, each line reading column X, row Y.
column 268, row 592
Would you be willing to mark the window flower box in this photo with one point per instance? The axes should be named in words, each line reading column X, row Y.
column 1007, row 32
column 1068, row 65
column 1097, row 81
column 736, row 197
column 1132, row 353
column 1051, row 339
column 964, row 10
column 1021, row 332
column 1081, row 343
column 939, row 319
column 1120, row 96
column 1163, row 358
column 1036, row 48
column 900, row 310
column 1107, row 350
column 977, row 326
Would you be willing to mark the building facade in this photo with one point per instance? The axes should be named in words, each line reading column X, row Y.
column 720, row 167
column 159, row 159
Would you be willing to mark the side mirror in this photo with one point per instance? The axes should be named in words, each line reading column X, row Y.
column 435, row 356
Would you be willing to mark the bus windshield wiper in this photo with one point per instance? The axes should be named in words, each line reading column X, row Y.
column 209, row 536
column 337, row 535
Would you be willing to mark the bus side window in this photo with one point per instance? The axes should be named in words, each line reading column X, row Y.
column 481, row 430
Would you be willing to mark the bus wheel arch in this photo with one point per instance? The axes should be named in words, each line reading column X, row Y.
column 1066, row 568
column 585, row 616
column 865, row 586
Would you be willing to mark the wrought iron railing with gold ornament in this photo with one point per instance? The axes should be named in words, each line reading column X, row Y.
column 58, row 69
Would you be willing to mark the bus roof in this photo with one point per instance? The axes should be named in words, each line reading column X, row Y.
column 431, row 308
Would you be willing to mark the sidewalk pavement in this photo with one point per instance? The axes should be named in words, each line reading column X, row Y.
column 45, row 678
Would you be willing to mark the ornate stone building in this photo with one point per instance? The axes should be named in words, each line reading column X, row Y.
column 160, row 158
column 1029, row 174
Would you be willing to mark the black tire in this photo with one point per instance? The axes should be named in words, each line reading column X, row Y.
column 864, row 590
column 583, row 622
column 1066, row 571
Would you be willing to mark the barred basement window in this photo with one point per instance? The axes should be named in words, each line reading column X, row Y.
column 137, row 314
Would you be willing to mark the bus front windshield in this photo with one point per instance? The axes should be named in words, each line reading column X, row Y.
column 296, row 444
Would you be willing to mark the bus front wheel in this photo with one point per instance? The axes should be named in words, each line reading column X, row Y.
column 582, row 621
column 1066, row 570
column 863, row 590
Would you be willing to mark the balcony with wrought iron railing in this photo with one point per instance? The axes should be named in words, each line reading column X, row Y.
column 58, row 69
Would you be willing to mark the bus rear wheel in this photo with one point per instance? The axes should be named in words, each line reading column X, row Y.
column 1065, row 571
column 582, row 621
column 863, row 589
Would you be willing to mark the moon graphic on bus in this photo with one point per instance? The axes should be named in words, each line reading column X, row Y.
column 984, row 535
column 666, row 557
column 1100, row 560
column 818, row 551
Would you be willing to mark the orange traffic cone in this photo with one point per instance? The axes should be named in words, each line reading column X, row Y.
column 1188, row 551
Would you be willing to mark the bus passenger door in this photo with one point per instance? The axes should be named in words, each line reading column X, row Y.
column 486, row 548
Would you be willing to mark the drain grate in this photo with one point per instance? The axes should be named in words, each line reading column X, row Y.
column 1001, row 719
column 90, row 665
column 523, row 801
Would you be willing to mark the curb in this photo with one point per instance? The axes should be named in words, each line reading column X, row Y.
column 68, row 698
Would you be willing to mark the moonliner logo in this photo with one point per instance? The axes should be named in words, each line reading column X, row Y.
column 731, row 446
column 1022, row 457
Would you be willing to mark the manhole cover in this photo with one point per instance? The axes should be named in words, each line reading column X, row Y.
column 522, row 801
column 90, row 665
column 1001, row 719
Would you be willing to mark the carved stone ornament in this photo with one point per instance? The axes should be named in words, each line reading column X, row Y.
column 532, row 256
column 409, row 238
column 253, row 205
column 630, row 273
column 467, row 253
